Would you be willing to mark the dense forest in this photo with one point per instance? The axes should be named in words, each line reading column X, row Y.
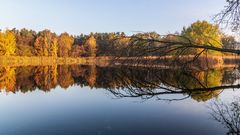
column 26, row 42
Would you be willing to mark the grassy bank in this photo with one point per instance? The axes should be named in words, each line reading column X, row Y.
column 212, row 61
column 36, row 61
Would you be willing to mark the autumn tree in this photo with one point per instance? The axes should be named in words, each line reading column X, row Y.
column 46, row 44
column 202, row 33
column 24, row 37
column 77, row 51
column 7, row 43
column 91, row 46
column 119, row 45
column 25, row 41
column 139, row 45
column 65, row 42
column 111, row 44
column 24, row 50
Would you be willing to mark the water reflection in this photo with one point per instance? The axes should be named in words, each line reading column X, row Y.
column 228, row 114
column 200, row 85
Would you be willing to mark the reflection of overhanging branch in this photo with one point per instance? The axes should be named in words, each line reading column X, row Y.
column 166, row 91
column 228, row 114
column 200, row 85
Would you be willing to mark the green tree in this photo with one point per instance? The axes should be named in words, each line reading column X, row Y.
column 203, row 33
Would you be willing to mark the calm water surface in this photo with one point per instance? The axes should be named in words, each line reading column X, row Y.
column 80, row 100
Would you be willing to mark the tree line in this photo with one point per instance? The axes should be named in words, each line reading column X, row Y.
column 26, row 42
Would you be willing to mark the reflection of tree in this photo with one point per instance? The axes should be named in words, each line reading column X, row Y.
column 78, row 74
column 78, row 70
column 208, row 79
column 228, row 115
column 122, row 82
column 91, row 75
column 230, row 76
column 119, row 78
column 197, row 79
column 25, row 79
column 145, row 83
column 64, row 76
column 46, row 77
column 7, row 78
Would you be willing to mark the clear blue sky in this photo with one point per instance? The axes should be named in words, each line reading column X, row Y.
column 85, row 16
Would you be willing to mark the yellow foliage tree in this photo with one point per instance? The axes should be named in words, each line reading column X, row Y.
column 54, row 47
column 46, row 44
column 7, row 43
column 203, row 33
column 65, row 42
column 24, row 50
column 91, row 46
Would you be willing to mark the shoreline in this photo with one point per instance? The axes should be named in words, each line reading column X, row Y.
column 103, row 61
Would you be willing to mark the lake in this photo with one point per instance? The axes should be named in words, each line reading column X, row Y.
column 78, row 99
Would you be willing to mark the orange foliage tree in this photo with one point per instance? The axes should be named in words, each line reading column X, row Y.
column 65, row 42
